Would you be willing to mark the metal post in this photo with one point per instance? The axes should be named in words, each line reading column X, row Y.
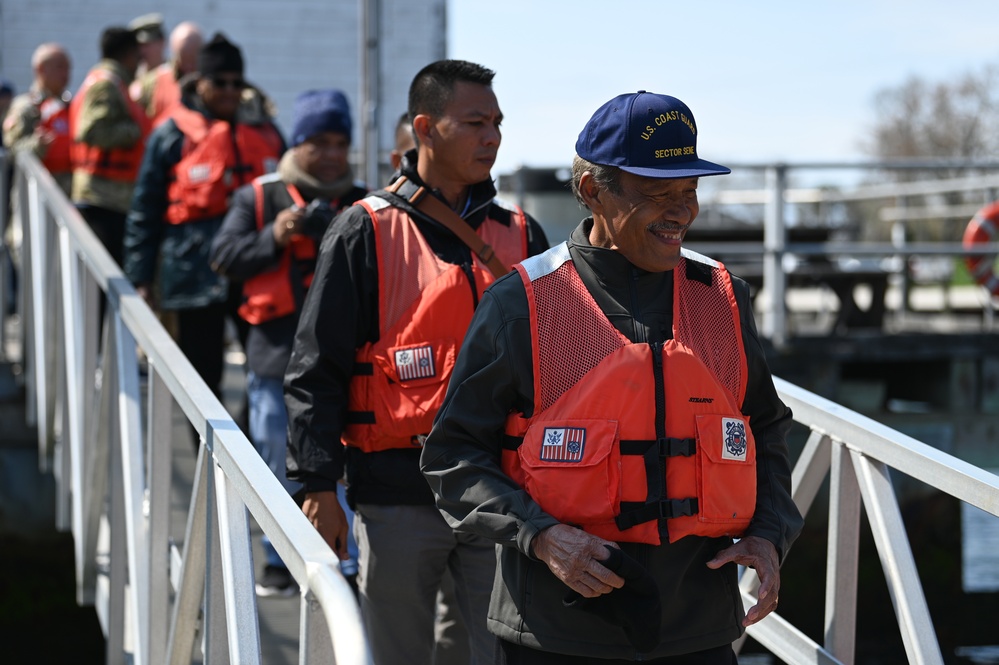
column 774, row 240
column 843, row 558
column 370, row 88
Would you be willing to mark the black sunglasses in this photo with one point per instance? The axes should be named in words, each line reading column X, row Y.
column 236, row 84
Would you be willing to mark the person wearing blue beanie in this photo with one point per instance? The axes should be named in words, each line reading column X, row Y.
column 269, row 241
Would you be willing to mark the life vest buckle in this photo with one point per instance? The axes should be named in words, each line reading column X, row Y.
column 673, row 447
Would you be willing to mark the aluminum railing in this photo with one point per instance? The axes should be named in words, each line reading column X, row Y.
column 857, row 453
column 110, row 453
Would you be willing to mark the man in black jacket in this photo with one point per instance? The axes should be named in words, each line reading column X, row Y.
column 393, row 292
column 611, row 422
column 268, row 242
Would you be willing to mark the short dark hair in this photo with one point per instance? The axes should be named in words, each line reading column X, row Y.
column 117, row 42
column 433, row 87
column 607, row 177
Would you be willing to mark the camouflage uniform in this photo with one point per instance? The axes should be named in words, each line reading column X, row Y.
column 19, row 128
column 105, row 122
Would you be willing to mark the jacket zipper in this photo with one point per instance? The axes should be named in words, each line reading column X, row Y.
column 660, row 383
column 470, row 274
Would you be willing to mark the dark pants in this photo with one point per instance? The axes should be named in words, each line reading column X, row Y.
column 201, row 336
column 515, row 654
column 109, row 227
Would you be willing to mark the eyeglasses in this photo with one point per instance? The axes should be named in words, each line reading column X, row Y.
column 235, row 84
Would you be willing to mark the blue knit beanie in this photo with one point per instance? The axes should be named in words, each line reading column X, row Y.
column 320, row 111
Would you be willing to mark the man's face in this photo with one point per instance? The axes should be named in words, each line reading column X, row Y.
column 647, row 221
column 221, row 93
column 324, row 156
column 465, row 138
column 54, row 73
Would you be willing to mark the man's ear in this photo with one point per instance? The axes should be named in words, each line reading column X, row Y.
column 422, row 126
column 590, row 192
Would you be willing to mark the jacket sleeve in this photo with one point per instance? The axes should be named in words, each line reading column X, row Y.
column 339, row 315
column 776, row 519
column 461, row 457
column 144, row 224
column 239, row 250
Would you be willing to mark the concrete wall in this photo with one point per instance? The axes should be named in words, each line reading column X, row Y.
column 288, row 45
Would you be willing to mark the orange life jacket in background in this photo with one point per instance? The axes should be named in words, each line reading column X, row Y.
column 54, row 119
column 270, row 295
column 121, row 164
column 624, row 434
column 165, row 96
column 215, row 161
column 424, row 308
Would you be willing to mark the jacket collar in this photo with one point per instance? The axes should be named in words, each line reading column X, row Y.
column 480, row 194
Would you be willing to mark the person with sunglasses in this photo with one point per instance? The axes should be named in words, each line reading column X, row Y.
column 219, row 138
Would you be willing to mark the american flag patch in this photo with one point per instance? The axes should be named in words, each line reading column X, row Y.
column 563, row 444
column 415, row 363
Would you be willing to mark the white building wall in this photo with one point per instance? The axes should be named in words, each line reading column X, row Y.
column 288, row 45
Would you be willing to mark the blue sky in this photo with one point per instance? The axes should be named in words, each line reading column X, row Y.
column 766, row 80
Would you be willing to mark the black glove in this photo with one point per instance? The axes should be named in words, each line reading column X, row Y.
column 635, row 607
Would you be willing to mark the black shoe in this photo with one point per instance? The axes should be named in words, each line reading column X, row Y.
column 277, row 581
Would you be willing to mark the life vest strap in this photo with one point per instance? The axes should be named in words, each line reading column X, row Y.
column 360, row 418
column 634, row 513
column 661, row 448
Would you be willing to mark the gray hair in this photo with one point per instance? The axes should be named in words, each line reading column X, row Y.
column 606, row 177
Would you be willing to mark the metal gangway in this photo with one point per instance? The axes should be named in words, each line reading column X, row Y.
column 108, row 450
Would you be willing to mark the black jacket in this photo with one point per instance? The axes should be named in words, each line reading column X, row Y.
column 461, row 459
column 240, row 251
column 341, row 315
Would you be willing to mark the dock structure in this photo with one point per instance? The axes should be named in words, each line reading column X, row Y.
column 164, row 534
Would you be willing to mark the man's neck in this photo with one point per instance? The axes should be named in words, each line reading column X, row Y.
column 455, row 194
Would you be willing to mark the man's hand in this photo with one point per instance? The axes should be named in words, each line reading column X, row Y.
column 324, row 511
column 758, row 553
column 286, row 224
column 574, row 556
column 145, row 292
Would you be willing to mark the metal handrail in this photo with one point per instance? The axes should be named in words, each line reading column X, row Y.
column 856, row 453
column 112, row 464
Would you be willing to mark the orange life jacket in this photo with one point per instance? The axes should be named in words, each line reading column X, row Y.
column 623, row 434
column 216, row 161
column 270, row 295
column 54, row 119
column 424, row 308
column 121, row 164
column 166, row 95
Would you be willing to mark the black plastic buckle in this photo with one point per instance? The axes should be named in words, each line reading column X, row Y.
column 672, row 447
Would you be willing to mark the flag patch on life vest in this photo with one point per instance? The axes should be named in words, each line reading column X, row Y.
column 734, row 443
column 415, row 363
column 199, row 173
column 563, row 444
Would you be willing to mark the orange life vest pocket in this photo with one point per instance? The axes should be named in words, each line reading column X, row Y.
column 200, row 186
column 726, row 474
column 573, row 469
column 414, row 380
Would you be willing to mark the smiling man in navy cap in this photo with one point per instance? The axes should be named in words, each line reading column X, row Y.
column 612, row 424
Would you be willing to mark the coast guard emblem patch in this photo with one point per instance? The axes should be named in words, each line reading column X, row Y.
column 734, row 443
column 415, row 363
column 563, row 444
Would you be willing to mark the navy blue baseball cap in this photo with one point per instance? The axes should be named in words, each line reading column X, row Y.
column 650, row 135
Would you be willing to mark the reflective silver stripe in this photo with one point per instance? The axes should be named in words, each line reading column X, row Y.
column 376, row 202
column 547, row 262
column 699, row 258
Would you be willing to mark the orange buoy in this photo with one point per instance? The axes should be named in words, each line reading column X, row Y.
column 983, row 229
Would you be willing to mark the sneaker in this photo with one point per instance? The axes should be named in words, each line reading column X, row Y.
column 277, row 581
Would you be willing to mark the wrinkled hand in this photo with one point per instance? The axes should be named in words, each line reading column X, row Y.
column 326, row 514
column 758, row 553
column 287, row 224
column 574, row 556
